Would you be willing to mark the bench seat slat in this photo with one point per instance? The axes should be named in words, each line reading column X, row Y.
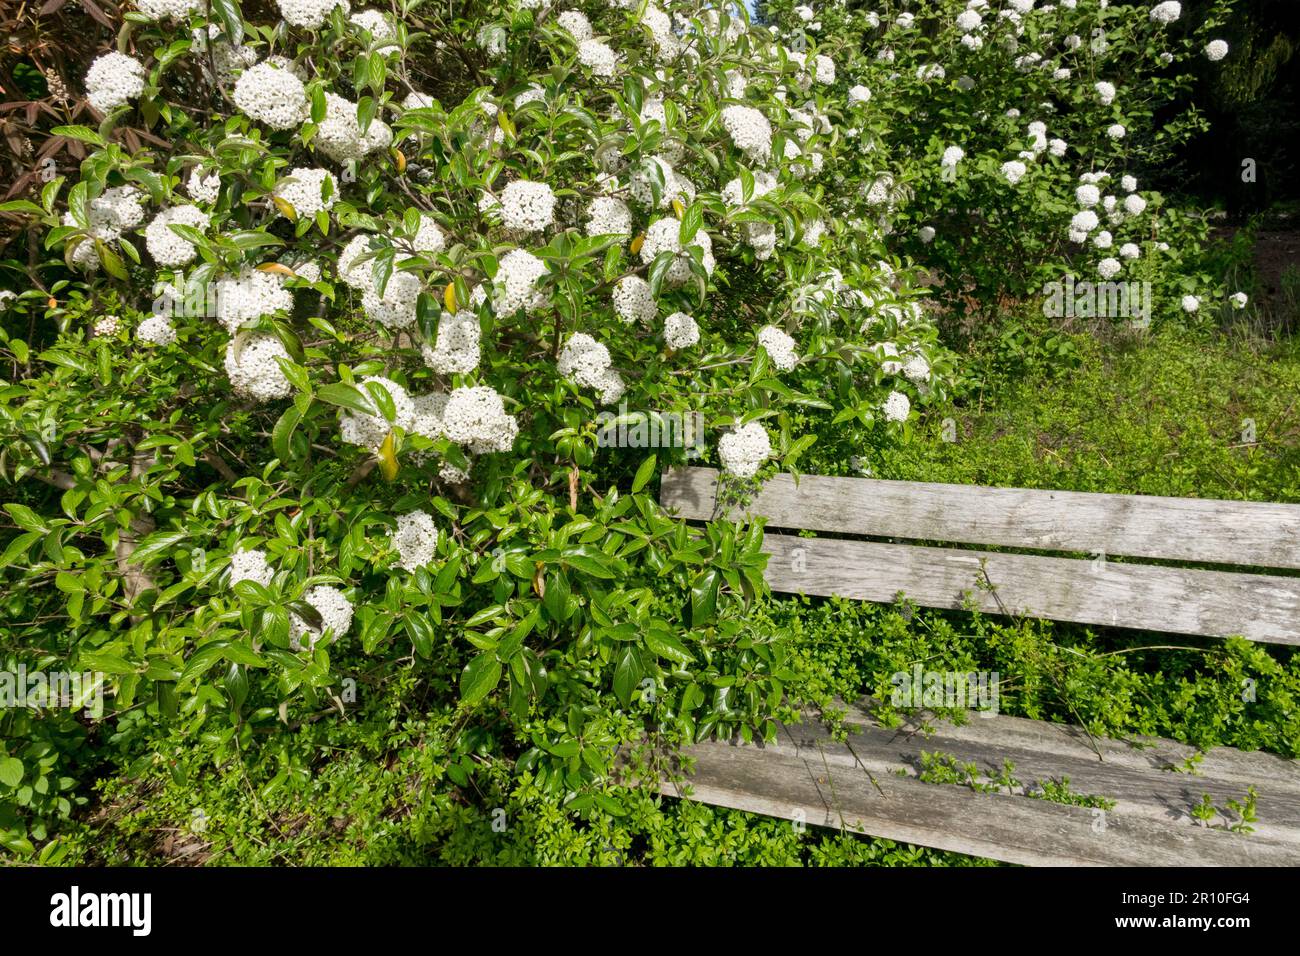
column 1177, row 600
column 1243, row 533
column 808, row 776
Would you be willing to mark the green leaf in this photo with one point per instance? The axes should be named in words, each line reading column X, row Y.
column 480, row 677
column 704, row 596
column 232, row 21
column 666, row 645
column 347, row 396
column 644, row 473
column 155, row 544
column 627, row 674
column 11, row 772
column 25, row 518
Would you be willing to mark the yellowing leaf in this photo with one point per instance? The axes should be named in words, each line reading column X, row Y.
column 388, row 457
column 449, row 297
column 679, row 208
column 637, row 243
column 399, row 157
column 278, row 269
column 505, row 123
column 286, row 208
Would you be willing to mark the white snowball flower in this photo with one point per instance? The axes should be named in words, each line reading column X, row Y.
column 248, row 296
column 859, row 95
column 369, row 431
column 397, row 307
column 1103, row 240
column 203, row 186
column 681, row 331
column 633, row 301
column 1014, row 171
column 1116, row 131
column 1129, row 184
column 272, row 96
column 744, row 450
column 576, row 23
column 664, row 236
column 897, row 407
column 336, row 617
column 780, row 347
column 1167, row 12
column 597, row 57
column 114, row 80
column 749, row 130
column 1191, row 304
column 823, row 69
column 457, row 349
column 516, row 283
column 156, row 330
column 169, row 9
column 477, row 417
column 304, row 189
column 585, row 361
column 1108, row 268
column 374, row 22
column 1105, row 92
column 1134, row 204
column 339, row 134
column 416, row 540
column 1130, row 250
column 253, row 367
column 916, row 369
column 952, row 156
column 926, row 234
column 1216, row 50
column 804, row 13
column 250, row 566
column 166, row 247
column 1084, row 221
column 310, row 14
column 1239, row 300
column 608, row 216
column 527, row 206
column 1057, row 147
column 969, row 20
column 1088, row 196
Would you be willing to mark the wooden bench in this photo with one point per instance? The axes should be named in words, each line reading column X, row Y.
column 922, row 537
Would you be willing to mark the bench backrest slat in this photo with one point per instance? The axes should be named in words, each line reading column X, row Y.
column 1176, row 600
column 1241, row 533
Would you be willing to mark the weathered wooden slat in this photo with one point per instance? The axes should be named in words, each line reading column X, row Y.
column 1243, row 533
column 1176, row 600
column 857, row 785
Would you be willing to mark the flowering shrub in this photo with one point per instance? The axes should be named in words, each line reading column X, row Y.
column 318, row 384
column 1009, row 143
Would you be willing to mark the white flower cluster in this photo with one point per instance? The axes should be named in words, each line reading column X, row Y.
column 744, row 450
column 576, row 23
column 779, row 346
column 336, row 617
column 1216, row 50
column 516, row 283
column 749, row 130
column 114, row 80
column 254, row 370
column 304, row 190
column 633, row 301
column 416, row 540
column 1105, row 92
column 250, row 295
column 456, row 351
column 477, row 417
column 1014, row 171
column 1167, row 12
column 369, row 431
column 105, row 325
column 339, row 134
column 374, row 22
column 156, row 330
column 897, row 407
column 681, row 331
column 203, row 186
column 272, row 96
column 527, row 206
column 608, row 216
column 310, row 14
column 396, row 308
column 250, row 565
column 587, row 362
column 664, row 235
column 169, row 9
column 598, row 58
column 859, row 95
column 168, row 248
